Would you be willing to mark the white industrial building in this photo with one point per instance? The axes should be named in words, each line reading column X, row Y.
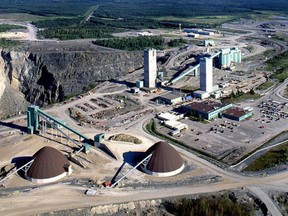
column 206, row 79
column 175, row 125
column 150, row 68
column 199, row 31
column 169, row 116
column 206, row 74
column 229, row 56
column 193, row 35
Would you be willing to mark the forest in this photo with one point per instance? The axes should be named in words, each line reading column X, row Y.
column 205, row 206
column 67, row 19
column 139, row 43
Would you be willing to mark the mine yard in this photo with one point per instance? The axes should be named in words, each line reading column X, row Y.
column 108, row 111
column 68, row 150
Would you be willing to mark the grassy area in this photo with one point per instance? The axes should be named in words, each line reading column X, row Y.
column 4, row 43
column 279, row 65
column 276, row 156
column 5, row 27
column 239, row 98
column 265, row 85
column 208, row 20
column 21, row 17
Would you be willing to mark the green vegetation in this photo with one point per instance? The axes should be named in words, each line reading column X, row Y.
column 219, row 205
column 269, row 53
column 249, row 48
column 281, row 37
column 276, row 156
column 280, row 75
column 279, row 65
column 177, row 42
column 5, row 27
column 48, row 7
column 283, row 202
column 240, row 96
column 73, row 33
column 67, row 19
column 139, row 43
column 4, row 43
column 265, row 85
column 194, row 117
column 135, row 43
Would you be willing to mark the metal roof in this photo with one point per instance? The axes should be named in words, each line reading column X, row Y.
column 206, row 106
column 170, row 95
column 236, row 112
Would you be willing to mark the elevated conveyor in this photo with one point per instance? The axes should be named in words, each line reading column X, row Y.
column 33, row 121
column 186, row 72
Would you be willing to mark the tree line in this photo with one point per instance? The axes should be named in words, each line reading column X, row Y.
column 139, row 43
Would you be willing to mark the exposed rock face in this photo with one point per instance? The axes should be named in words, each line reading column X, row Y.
column 47, row 77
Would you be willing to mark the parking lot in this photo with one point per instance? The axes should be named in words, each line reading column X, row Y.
column 229, row 140
column 272, row 110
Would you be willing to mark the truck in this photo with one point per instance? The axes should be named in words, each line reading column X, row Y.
column 175, row 132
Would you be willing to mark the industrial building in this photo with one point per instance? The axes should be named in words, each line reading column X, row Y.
column 175, row 125
column 193, row 35
column 198, row 31
column 207, row 43
column 237, row 114
column 206, row 74
column 49, row 165
column 169, row 116
column 229, row 56
column 135, row 90
column 206, row 79
column 170, row 98
column 139, row 84
column 207, row 109
column 164, row 161
column 150, row 68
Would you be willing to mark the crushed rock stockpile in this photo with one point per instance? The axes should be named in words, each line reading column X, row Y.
column 42, row 78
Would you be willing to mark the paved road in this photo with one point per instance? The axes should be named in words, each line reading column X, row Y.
column 273, row 209
column 278, row 91
column 58, row 199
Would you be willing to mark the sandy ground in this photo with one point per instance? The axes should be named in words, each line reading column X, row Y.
column 15, row 35
column 28, row 197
